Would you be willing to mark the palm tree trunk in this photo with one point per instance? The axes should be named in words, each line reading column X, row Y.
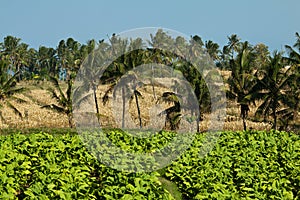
column 198, row 121
column 244, row 113
column 123, row 111
column 274, row 117
column 153, row 89
column 244, row 124
column 19, row 74
column 152, row 83
column 138, row 108
column 96, row 104
column 70, row 119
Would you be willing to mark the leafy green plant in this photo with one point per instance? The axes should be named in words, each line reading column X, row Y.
column 243, row 165
column 252, row 164
column 44, row 166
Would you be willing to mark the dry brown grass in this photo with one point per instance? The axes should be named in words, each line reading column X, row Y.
column 35, row 117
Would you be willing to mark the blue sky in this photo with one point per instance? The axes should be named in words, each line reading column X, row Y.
column 37, row 22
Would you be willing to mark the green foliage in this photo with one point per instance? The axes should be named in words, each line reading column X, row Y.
column 243, row 165
column 42, row 166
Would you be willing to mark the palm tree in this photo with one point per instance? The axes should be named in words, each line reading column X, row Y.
column 136, row 94
column 225, row 58
column 87, row 78
column 127, row 61
column 242, row 82
column 294, row 55
column 63, row 99
column 69, row 56
column 212, row 49
column 16, row 52
column 173, row 114
column 274, row 87
column 8, row 89
column 233, row 44
column 197, row 39
column 46, row 61
column 290, row 112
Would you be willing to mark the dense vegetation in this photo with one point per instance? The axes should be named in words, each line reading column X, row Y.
column 268, row 80
column 250, row 165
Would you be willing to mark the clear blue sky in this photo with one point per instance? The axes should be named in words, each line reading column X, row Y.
column 41, row 22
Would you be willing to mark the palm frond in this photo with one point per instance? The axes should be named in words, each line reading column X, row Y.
column 82, row 100
column 13, row 91
column 1, row 116
column 19, row 100
column 16, row 111
column 58, row 87
column 136, row 92
column 54, row 108
column 54, row 94
column 11, row 82
column 263, row 109
column 105, row 97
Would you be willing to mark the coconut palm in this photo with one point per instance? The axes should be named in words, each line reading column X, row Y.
column 173, row 114
column 46, row 61
column 225, row 57
column 274, row 87
column 63, row 99
column 16, row 52
column 290, row 111
column 233, row 44
column 93, row 60
column 212, row 49
column 294, row 53
column 69, row 56
column 242, row 82
column 197, row 39
column 8, row 89
column 136, row 94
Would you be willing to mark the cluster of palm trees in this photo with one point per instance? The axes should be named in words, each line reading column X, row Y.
column 270, row 81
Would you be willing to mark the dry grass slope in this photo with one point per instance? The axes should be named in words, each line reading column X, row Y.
column 36, row 117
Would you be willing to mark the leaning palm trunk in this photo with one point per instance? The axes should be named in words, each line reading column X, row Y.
column 153, row 89
column 96, row 104
column 123, row 106
column 138, row 107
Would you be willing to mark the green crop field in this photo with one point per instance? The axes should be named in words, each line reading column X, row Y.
column 242, row 165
